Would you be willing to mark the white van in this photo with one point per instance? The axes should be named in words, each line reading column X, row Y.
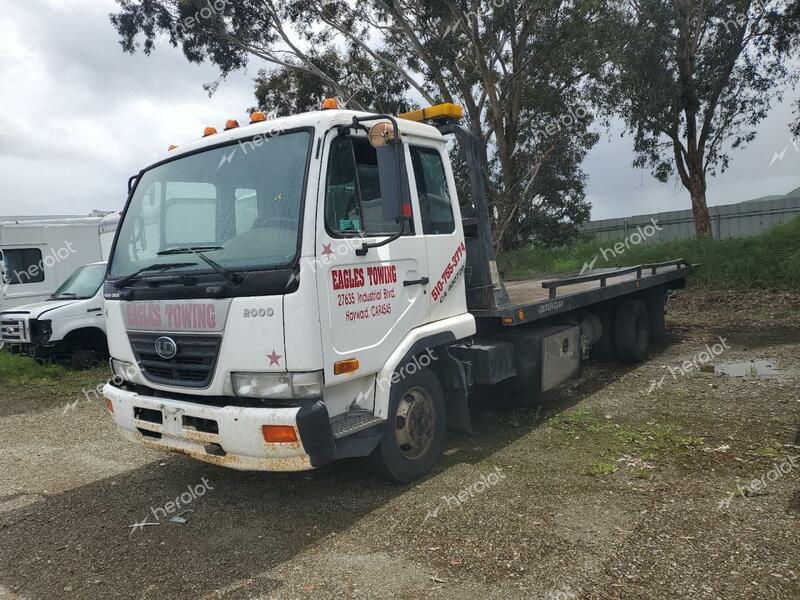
column 37, row 256
column 69, row 325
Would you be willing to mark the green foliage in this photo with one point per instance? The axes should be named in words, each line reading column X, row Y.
column 16, row 369
column 769, row 260
column 518, row 68
column 289, row 91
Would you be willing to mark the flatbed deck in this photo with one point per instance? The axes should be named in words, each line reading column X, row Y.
column 539, row 298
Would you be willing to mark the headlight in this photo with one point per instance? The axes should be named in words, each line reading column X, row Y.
column 280, row 386
column 45, row 330
column 124, row 370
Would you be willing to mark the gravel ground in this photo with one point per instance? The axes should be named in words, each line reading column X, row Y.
column 629, row 482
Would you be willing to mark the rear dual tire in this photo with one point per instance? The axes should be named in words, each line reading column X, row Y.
column 632, row 331
column 627, row 332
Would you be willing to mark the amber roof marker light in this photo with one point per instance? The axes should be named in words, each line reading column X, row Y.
column 257, row 117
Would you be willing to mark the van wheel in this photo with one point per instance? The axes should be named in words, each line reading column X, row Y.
column 632, row 331
column 82, row 359
column 413, row 437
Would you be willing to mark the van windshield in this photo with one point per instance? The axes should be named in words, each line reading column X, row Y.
column 240, row 205
column 82, row 284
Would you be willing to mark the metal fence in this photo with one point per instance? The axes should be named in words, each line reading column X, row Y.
column 728, row 221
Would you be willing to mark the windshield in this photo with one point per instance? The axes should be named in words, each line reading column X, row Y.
column 237, row 204
column 82, row 284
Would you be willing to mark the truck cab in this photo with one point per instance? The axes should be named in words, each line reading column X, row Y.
column 257, row 314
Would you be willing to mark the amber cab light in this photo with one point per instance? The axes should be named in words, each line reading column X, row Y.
column 330, row 104
column 257, row 117
column 209, row 131
column 343, row 367
column 279, row 434
column 231, row 124
column 171, row 147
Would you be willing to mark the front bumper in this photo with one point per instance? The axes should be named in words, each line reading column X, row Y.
column 228, row 436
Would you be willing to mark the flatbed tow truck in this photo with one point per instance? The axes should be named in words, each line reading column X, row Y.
column 305, row 289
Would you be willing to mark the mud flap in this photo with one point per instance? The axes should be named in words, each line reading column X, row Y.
column 316, row 433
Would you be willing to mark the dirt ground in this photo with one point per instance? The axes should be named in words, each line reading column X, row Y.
column 630, row 482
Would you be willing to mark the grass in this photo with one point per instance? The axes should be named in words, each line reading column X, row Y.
column 16, row 369
column 602, row 468
column 651, row 441
column 770, row 260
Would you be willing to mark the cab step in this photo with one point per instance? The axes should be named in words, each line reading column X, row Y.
column 353, row 422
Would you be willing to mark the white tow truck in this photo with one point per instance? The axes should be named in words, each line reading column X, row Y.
column 305, row 289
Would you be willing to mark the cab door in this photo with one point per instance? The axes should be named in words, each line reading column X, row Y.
column 370, row 303
column 433, row 190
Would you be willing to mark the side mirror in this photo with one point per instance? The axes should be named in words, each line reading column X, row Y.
column 393, row 179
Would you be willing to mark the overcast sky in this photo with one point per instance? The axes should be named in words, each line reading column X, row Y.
column 78, row 117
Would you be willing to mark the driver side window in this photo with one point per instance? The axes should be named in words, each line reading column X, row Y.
column 354, row 202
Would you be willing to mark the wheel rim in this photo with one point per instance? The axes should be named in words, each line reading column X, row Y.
column 415, row 423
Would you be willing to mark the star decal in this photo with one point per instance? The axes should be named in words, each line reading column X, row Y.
column 274, row 358
column 327, row 250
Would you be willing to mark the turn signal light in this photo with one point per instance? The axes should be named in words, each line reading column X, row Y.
column 110, row 406
column 231, row 124
column 257, row 117
column 279, row 434
column 330, row 104
column 209, row 131
column 343, row 367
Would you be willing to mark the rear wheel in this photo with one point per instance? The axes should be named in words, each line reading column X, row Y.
column 605, row 349
column 632, row 331
column 414, row 435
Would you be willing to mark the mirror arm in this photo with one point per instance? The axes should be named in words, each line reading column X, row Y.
column 357, row 124
column 364, row 250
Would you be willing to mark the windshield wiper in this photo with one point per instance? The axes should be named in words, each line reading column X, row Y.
column 121, row 283
column 232, row 278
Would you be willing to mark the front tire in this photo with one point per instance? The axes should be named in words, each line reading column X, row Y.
column 413, row 437
column 83, row 359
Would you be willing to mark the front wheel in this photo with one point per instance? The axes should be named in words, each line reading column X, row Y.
column 414, row 435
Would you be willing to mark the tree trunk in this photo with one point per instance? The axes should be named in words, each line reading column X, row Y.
column 702, row 220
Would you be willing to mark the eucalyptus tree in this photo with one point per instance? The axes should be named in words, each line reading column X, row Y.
column 692, row 80
column 519, row 69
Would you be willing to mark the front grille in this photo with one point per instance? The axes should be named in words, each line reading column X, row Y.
column 193, row 366
column 13, row 330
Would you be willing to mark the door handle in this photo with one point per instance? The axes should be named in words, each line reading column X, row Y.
column 423, row 281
